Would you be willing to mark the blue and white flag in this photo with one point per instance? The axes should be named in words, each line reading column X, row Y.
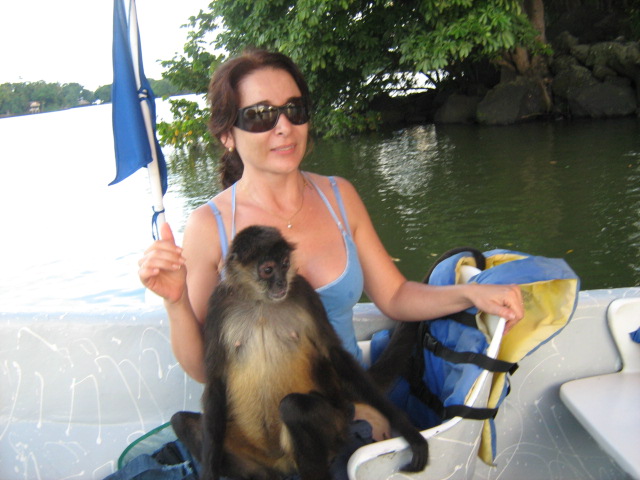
column 134, row 110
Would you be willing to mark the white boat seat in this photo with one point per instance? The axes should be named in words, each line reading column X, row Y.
column 608, row 406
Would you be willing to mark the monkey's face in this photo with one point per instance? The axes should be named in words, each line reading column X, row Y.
column 273, row 274
column 260, row 263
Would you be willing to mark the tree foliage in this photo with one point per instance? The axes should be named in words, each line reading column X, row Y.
column 189, row 129
column 191, row 71
column 161, row 89
column 354, row 50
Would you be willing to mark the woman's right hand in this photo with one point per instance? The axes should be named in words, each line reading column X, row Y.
column 162, row 267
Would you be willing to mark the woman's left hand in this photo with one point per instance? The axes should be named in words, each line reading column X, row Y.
column 502, row 300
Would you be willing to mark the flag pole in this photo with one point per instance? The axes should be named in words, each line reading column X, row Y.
column 153, row 169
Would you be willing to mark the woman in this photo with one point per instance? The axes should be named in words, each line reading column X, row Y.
column 260, row 113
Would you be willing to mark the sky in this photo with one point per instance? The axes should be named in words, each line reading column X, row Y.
column 69, row 41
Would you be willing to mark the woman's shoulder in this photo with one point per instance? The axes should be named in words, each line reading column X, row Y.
column 349, row 197
column 201, row 241
column 202, row 221
column 201, row 224
column 220, row 202
column 324, row 183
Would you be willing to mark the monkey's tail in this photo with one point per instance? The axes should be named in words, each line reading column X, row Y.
column 396, row 359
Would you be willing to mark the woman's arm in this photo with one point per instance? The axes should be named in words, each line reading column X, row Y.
column 202, row 252
column 185, row 278
column 405, row 300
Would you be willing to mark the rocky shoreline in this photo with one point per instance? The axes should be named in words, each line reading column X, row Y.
column 597, row 80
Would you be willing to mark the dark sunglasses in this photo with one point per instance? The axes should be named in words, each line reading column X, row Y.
column 262, row 118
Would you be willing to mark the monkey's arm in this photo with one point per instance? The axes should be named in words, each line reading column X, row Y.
column 214, row 399
column 214, row 425
column 363, row 389
column 359, row 385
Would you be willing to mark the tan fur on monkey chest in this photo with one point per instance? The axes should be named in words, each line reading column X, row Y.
column 269, row 357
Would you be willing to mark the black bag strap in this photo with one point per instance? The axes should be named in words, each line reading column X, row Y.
column 421, row 391
column 433, row 345
column 481, row 360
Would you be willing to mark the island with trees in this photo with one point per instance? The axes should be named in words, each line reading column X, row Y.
column 39, row 97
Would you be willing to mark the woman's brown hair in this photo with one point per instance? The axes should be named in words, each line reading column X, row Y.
column 224, row 99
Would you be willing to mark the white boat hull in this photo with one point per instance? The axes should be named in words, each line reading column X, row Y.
column 77, row 387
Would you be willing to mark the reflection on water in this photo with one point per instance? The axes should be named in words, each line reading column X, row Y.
column 195, row 177
column 561, row 189
column 567, row 190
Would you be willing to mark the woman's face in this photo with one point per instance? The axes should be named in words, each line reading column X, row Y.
column 281, row 149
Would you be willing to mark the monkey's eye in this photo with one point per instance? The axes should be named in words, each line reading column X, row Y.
column 286, row 264
column 266, row 270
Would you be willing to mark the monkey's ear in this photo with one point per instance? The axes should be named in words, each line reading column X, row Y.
column 244, row 245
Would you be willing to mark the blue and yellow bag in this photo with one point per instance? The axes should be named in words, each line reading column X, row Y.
column 449, row 352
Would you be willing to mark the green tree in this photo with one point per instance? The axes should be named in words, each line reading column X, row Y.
column 103, row 93
column 73, row 94
column 190, row 128
column 190, row 72
column 354, row 50
column 192, row 69
column 164, row 88
column 13, row 99
column 161, row 88
column 48, row 94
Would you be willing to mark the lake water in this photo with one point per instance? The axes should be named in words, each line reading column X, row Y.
column 567, row 190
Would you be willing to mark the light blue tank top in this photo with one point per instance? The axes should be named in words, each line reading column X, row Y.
column 341, row 295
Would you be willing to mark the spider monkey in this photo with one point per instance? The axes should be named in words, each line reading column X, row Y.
column 280, row 387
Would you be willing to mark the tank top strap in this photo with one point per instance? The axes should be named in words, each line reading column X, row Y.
column 224, row 244
column 342, row 225
column 343, row 212
column 233, row 211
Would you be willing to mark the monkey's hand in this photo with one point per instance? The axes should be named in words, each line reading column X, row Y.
column 162, row 267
